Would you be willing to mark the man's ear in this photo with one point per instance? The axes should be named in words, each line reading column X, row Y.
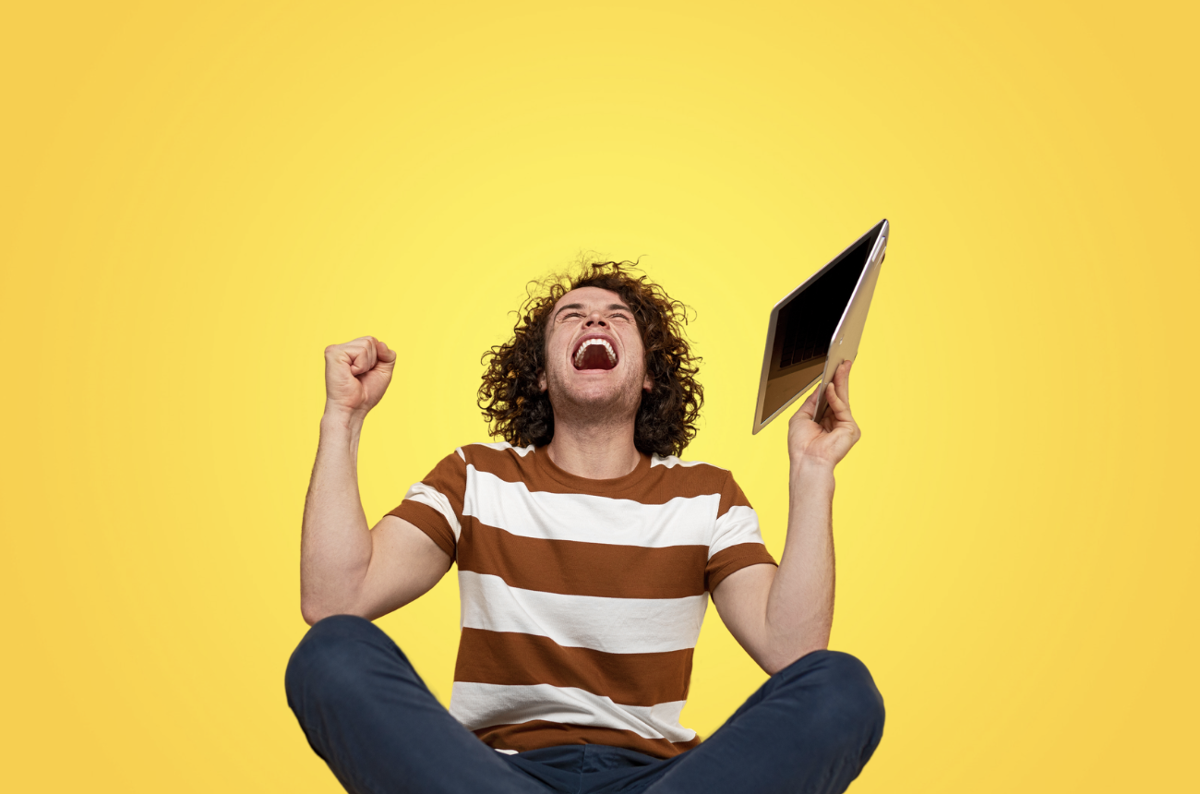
column 541, row 380
column 648, row 384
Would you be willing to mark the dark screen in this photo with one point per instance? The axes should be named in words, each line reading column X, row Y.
column 806, row 324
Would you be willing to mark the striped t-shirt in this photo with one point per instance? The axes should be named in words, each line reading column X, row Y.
column 581, row 599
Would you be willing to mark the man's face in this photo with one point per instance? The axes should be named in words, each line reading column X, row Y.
column 594, row 353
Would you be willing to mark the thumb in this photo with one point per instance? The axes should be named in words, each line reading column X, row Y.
column 384, row 353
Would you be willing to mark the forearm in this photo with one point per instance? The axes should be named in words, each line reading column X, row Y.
column 335, row 543
column 799, row 612
column 780, row 614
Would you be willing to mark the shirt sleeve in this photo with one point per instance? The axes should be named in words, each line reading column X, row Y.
column 435, row 504
column 736, row 542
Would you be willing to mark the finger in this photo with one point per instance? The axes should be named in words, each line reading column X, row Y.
column 842, row 379
column 810, row 405
column 839, row 407
column 383, row 352
column 362, row 355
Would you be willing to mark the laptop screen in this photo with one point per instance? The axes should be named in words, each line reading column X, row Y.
column 806, row 325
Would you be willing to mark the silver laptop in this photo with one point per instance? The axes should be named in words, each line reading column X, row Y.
column 818, row 326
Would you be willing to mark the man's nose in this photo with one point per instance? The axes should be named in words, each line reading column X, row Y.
column 596, row 319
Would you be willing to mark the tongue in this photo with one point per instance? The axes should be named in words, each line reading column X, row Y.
column 595, row 357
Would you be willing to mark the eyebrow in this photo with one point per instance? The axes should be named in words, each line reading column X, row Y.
column 611, row 307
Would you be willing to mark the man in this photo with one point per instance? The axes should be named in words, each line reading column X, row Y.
column 586, row 553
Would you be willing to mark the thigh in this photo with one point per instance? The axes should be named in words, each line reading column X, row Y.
column 369, row 715
column 809, row 729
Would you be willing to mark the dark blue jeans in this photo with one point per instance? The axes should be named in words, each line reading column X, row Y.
column 809, row 729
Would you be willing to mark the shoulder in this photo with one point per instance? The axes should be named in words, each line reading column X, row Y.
column 499, row 459
column 672, row 462
column 689, row 468
column 691, row 477
column 482, row 457
column 481, row 454
column 497, row 447
column 695, row 478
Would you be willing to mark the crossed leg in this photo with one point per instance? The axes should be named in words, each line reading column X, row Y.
column 369, row 715
column 809, row 729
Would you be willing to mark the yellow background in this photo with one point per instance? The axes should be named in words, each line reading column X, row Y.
column 198, row 197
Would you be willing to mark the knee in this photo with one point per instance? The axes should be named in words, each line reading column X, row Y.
column 330, row 654
column 848, row 697
column 855, row 701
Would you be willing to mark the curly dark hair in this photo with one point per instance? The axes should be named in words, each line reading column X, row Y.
column 519, row 412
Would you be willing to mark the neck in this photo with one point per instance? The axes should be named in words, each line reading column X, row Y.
column 595, row 451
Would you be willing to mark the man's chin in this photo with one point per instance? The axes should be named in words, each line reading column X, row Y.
column 601, row 398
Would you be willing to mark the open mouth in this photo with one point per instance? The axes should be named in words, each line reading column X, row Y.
column 594, row 352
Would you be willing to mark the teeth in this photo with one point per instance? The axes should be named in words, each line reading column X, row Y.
column 612, row 356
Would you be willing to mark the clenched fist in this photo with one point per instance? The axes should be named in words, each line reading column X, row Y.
column 356, row 375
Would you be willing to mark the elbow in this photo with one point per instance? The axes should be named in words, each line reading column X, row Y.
column 310, row 614
column 318, row 603
column 775, row 662
column 313, row 611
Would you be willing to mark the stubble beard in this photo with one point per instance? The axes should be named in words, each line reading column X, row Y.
column 596, row 412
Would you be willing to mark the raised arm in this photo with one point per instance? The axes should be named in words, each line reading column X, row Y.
column 346, row 568
column 780, row 615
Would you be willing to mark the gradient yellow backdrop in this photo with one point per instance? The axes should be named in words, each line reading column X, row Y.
column 195, row 198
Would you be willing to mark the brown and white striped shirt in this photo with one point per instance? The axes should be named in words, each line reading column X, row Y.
column 581, row 599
